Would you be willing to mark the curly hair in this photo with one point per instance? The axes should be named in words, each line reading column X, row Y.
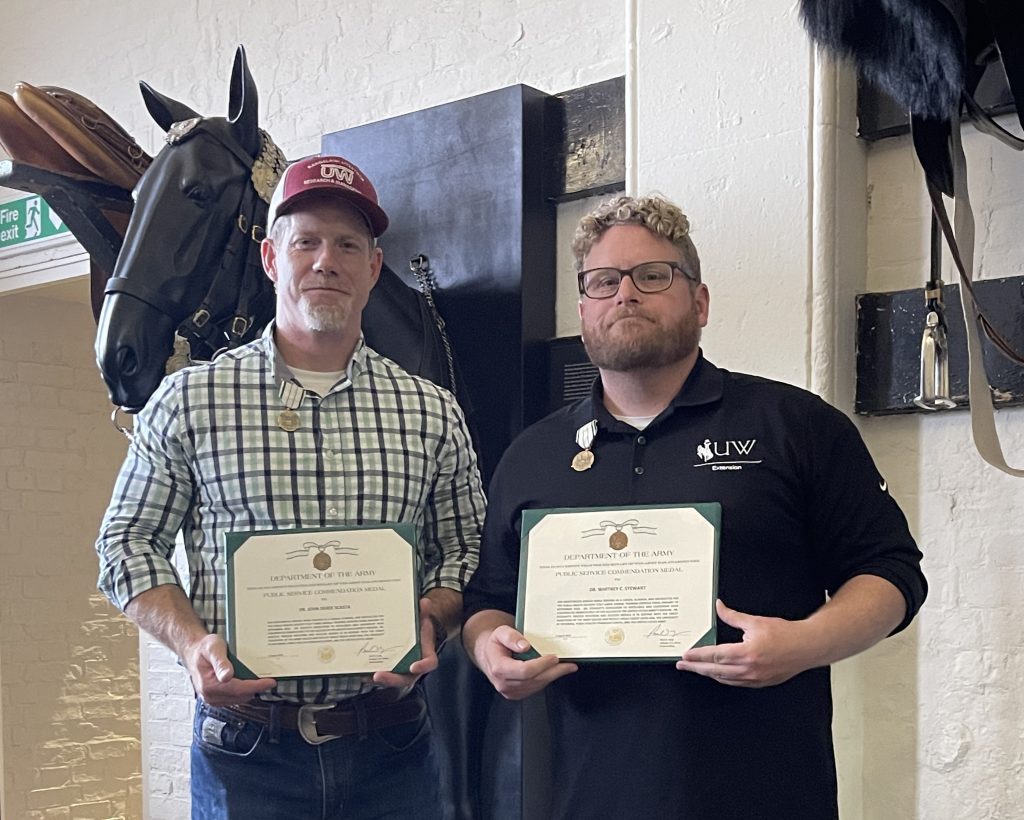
column 658, row 215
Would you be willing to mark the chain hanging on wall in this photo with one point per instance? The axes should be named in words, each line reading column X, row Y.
column 420, row 267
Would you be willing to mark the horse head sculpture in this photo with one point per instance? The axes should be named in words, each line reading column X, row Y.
column 190, row 259
column 189, row 278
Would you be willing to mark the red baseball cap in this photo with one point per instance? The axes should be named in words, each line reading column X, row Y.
column 327, row 175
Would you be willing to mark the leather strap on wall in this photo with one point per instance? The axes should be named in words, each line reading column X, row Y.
column 961, row 245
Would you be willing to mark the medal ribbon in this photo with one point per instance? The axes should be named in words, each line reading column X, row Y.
column 586, row 434
column 291, row 394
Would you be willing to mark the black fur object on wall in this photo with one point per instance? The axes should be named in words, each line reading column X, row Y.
column 912, row 49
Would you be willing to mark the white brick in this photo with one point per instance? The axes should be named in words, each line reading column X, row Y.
column 20, row 479
column 59, row 796
column 45, row 374
column 40, row 394
column 53, row 776
column 99, row 810
column 164, row 707
column 49, row 578
column 14, row 393
column 39, row 460
column 11, row 457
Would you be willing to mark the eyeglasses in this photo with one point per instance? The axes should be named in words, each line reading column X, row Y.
column 647, row 277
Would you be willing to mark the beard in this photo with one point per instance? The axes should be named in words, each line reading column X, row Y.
column 623, row 347
column 323, row 318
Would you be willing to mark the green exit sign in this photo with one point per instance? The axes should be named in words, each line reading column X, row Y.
column 28, row 219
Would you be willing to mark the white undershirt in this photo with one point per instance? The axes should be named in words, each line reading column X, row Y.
column 639, row 422
column 317, row 381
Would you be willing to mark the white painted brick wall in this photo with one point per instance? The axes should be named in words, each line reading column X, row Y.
column 70, row 711
column 168, row 704
column 319, row 66
column 969, row 519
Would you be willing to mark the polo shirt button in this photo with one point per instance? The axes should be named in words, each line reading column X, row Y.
column 638, row 470
column 332, row 511
column 641, row 440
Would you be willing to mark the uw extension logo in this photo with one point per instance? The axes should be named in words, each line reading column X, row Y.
column 726, row 455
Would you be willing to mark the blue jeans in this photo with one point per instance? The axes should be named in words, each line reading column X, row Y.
column 238, row 772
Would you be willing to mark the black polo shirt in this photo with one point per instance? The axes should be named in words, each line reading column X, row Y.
column 803, row 511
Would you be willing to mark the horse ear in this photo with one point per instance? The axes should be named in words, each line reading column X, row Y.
column 243, row 106
column 163, row 109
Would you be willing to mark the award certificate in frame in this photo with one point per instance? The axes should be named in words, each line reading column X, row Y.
column 316, row 602
column 619, row 583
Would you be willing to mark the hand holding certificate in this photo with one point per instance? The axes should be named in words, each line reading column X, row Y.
column 305, row 603
column 629, row 583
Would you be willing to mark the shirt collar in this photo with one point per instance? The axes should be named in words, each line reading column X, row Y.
column 703, row 386
column 283, row 373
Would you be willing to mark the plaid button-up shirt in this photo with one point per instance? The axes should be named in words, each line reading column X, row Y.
column 208, row 457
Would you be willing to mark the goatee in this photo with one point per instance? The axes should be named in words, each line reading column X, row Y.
column 323, row 318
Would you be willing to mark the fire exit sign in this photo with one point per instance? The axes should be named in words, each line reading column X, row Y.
column 26, row 220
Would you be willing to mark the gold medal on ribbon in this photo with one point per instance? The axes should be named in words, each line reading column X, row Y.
column 618, row 540
column 291, row 394
column 583, row 460
column 288, row 420
column 322, row 561
column 584, row 439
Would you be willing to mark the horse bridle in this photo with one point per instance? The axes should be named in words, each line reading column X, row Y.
column 202, row 338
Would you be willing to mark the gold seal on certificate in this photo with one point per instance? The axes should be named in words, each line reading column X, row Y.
column 615, row 635
column 623, row 583
column 336, row 601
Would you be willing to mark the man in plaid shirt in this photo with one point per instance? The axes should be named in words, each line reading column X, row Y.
column 305, row 427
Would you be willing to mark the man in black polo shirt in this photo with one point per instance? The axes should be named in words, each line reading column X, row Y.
column 816, row 561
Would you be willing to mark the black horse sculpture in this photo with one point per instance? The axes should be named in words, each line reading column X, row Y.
column 190, row 264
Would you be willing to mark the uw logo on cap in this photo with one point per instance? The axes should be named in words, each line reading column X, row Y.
column 338, row 172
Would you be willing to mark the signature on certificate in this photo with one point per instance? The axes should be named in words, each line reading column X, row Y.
column 370, row 648
column 662, row 631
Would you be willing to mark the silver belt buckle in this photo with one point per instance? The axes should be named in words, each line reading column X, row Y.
column 307, row 724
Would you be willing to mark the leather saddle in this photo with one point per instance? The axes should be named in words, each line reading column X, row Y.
column 81, row 129
column 58, row 130
column 26, row 142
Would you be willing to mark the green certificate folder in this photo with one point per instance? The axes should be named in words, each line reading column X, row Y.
column 619, row 583
column 315, row 602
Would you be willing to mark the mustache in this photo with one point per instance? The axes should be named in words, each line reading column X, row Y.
column 625, row 313
column 321, row 284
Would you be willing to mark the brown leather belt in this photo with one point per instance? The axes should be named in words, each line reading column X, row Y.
column 375, row 710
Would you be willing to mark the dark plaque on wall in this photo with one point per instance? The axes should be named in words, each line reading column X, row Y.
column 889, row 328
column 464, row 185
